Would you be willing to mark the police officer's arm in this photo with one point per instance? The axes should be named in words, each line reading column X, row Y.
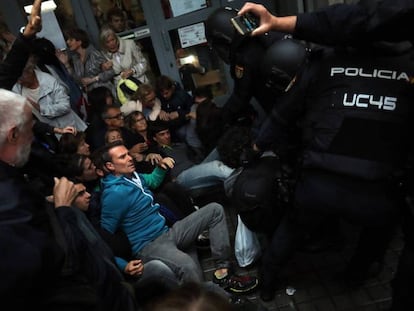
column 269, row 21
column 343, row 23
column 275, row 132
column 244, row 73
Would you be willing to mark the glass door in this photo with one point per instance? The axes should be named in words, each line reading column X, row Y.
column 129, row 20
column 183, row 52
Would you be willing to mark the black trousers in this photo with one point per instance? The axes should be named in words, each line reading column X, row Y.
column 402, row 284
column 376, row 206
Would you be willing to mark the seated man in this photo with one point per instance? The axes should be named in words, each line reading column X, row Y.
column 135, row 271
column 127, row 203
column 111, row 118
column 175, row 105
column 187, row 171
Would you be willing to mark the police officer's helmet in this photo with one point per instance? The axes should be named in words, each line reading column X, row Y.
column 282, row 62
column 220, row 32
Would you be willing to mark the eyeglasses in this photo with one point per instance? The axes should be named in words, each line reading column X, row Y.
column 117, row 116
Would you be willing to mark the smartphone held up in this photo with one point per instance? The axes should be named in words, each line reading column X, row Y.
column 245, row 23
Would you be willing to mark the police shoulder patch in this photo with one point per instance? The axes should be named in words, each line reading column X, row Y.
column 238, row 71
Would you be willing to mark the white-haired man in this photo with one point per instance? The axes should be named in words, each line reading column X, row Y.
column 27, row 263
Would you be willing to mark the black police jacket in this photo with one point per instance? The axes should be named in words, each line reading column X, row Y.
column 245, row 59
column 355, row 112
column 344, row 24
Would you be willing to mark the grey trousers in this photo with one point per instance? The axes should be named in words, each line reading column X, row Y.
column 171, row 247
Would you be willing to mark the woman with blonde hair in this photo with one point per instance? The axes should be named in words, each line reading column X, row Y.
column 125, row 57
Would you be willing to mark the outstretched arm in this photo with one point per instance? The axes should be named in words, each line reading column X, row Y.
column 34, row 25
column 268, row 21
column 11, row 68
column 389, row 20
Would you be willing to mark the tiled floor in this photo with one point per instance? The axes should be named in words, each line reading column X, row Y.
column 312, row 277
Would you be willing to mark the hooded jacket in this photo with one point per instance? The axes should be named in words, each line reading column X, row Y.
column 128, row 204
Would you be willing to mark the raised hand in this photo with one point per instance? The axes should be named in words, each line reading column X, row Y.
column 34, row 25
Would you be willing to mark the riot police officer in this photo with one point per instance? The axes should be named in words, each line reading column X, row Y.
column 354, row 110
column 243, row 54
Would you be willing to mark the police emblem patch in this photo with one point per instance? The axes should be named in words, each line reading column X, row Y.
column 238, row 71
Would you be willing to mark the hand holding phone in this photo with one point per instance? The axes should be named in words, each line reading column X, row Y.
column 245, row 23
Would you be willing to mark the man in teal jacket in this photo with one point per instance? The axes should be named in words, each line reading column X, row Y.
column 128, row 204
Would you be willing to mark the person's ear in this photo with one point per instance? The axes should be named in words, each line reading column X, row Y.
column 109, row 166
column 13, row 135
column 99, row 172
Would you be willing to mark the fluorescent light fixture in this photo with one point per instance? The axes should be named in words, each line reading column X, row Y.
column 45, row 6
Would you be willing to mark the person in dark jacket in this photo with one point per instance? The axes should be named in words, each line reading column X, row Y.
column 357, row 25
column 33, row 251
column 243, row 54
column 175, row 105
column 355, row 131
column 342, row 24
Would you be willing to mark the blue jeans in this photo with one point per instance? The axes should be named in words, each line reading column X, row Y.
column 171, row 247
column 204, row 174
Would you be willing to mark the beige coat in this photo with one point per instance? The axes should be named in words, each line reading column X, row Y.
column 129, row 56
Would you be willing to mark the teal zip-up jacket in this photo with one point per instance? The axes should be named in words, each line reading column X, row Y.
column 128, row 204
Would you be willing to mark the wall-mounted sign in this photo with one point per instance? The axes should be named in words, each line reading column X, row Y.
column 180, row 7
column 192, row 35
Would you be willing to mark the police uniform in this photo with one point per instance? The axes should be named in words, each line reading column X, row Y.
column 245, row 57
column 355, row 113
column 368, row 20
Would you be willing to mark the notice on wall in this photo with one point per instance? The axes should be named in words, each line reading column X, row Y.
column 192, row 35
column 181, row 7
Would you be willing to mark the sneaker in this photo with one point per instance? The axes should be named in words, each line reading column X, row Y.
column 237, row 283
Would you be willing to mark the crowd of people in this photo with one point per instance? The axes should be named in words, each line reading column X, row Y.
column 99, row 165
column 67, row 164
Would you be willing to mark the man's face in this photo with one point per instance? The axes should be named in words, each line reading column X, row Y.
column 122, row 163
column 117, row 23
column 89, row 170
column 24, row 140
column 167, row 93
column 83, row 198
column 115, row 119
column 163, row 138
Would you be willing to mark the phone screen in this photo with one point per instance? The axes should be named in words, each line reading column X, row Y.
column 245, row 24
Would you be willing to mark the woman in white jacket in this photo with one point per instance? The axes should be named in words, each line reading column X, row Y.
column 124, row 56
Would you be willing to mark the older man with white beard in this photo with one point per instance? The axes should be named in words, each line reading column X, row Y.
column 27, row 263
column 29, row 259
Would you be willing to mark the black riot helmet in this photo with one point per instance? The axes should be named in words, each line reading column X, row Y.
column 220, row 32
column 282, row 62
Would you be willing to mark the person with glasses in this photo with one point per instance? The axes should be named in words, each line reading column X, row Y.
column 111, row 117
